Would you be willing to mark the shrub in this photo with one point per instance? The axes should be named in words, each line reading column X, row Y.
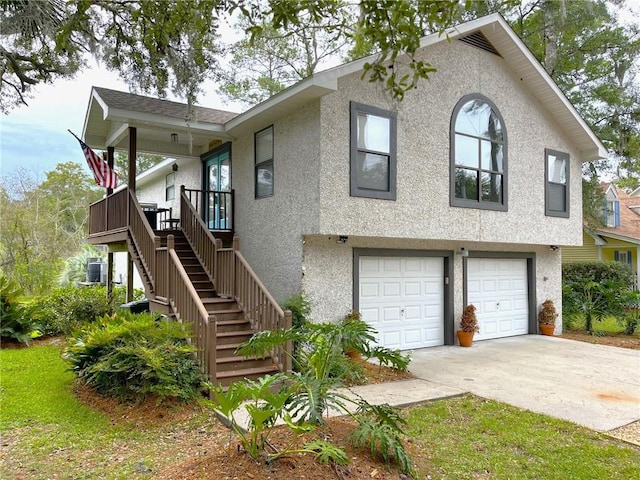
column 69, row 308
column 16, row 320
column 597, row 272
column 130, row 356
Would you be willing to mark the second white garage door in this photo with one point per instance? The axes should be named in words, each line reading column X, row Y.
column 403, row 299
column 499, row 290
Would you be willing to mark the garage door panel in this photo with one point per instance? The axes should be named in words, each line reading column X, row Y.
column 412, row 289
column 408, row 298
column 369, row 290
column 502, row 298
column 391, row 289
column 390, row 314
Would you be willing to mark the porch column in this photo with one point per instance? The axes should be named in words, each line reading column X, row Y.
column 636, row 274
column 110, row 157
column 133, row 140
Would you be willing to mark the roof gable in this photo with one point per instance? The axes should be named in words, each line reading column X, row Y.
column 107, row 123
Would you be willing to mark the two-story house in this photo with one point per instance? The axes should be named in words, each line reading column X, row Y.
column 407, row 210
column 618, row 239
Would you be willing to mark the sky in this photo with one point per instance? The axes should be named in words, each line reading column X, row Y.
column 35, row 137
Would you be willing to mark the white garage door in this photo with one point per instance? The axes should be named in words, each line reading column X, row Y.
column 498, row 289
column 403, row 299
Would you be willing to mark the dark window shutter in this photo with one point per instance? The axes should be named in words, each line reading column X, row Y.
column 616, row 256
column 629, row 255
column 616, row 213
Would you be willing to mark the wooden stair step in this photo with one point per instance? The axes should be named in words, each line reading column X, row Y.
column 234, row 325
column 229, row 376
column 237, row 362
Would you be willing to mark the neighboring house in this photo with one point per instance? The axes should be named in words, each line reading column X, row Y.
column 618, row 240
column 406, row 211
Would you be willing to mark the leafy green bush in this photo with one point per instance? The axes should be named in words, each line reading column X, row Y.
column 16, row 320
column 69, row 308
column 597, row 272
column 130, row 356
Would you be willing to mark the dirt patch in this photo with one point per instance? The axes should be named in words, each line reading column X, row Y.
column 629, row 433
column 230, row 462
column 611, row 339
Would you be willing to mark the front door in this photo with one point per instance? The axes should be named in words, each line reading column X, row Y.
column 217, row 196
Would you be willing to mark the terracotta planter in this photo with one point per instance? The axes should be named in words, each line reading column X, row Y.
column 547, row 329
column 465, row 338
column 353, row 353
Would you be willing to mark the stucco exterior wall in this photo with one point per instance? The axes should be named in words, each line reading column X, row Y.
column 422, row 209
column 271, row 229
column 328, row 271
column 152, row 189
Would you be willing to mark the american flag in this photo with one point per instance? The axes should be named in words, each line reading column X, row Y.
column 104, row 175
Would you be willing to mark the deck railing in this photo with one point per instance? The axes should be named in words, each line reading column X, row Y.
column 168, row 281
column 201, row 240
column 190, row 310
column 215, row 207
column 109, row 214
column 259, row 307
column 144, row 239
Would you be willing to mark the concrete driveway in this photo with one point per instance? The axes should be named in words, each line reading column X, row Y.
column 592, row 385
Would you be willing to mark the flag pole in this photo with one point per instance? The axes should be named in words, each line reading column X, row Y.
column 68, row 130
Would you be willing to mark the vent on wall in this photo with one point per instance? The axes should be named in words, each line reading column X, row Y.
column 477, row 39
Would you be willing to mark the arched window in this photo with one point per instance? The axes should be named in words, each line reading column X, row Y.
column 478, row 155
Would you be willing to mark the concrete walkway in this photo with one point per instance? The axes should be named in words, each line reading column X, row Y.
column 591, row 385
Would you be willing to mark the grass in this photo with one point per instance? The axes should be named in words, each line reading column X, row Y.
column 470, row 437
column 48, row 433
column 35, row 388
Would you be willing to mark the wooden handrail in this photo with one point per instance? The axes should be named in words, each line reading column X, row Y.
column 144, row 239
column 188, row 306
column 198, row 235
column 258, row 305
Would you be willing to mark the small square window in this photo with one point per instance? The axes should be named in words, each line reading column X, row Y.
column 373, row 152
column 169, row 186
column 263, row 144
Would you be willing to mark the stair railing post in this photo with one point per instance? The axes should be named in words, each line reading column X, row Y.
column 171, row 280
column 157, row 268
column 212, row 340
column 234, row 268
column 288, row 354
column 218, row 273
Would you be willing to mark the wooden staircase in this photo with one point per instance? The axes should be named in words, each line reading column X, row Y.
column 232, row 328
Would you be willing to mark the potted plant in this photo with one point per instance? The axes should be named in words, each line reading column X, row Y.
column 547, row 318
column 356, row 335
column 468, row 326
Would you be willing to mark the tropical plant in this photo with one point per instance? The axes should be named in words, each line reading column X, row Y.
column 311, row 391
column 130, row 356
column 592, row 301
column 380, row 427
column 468, row 320
column 16, row 320
column 630, row 319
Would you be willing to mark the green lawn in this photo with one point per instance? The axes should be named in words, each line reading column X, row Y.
column 470, row 437
column 48, row 433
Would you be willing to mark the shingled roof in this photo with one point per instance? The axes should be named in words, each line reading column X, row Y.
column 156, row 106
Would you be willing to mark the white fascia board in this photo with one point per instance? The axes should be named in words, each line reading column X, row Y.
column 599, row 241
column 117, row 131
column 93, row 99
column 323, row 84
column 132, row 117
column 620, row 237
